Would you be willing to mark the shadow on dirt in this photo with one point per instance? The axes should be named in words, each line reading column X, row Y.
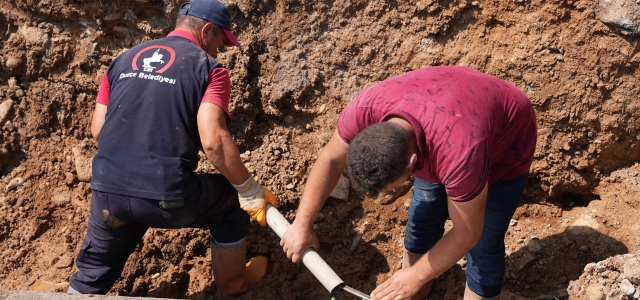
column 555, row 260
column 356, row 262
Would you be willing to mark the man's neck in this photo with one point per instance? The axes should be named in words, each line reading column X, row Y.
column 195, row 33
column 409, row 129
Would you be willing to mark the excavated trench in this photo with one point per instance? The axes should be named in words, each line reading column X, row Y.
column 301, row 63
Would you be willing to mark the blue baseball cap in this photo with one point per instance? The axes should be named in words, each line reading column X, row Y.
column 213, row 11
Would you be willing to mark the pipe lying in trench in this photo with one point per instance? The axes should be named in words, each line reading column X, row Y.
column 318, row 267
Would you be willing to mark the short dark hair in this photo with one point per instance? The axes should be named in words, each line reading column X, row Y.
column 195, row 23
column 377, row 156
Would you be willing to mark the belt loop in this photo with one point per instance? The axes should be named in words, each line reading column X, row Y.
column 170, row 204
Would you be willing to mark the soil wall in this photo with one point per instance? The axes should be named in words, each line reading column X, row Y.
column 301, row 63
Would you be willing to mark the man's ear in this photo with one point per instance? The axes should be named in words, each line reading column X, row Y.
column 205, row 29
column 412, row 161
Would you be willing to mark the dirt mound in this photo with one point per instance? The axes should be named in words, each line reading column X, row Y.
column 616, row 277
column 301, row 62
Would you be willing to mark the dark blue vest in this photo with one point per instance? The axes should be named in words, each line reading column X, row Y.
column 148, row 146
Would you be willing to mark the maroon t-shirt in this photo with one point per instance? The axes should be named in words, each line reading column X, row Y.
column 471, row 128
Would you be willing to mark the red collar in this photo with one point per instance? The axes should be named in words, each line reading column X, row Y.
column 184, row 34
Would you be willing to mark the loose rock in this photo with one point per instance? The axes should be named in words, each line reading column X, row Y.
column 534, row 246
column 15, row 183
column 622, row 15
column 64, row 262
column 288, row 120
column 13, row 83
column 341, row 191
column 82, row 163
column 13, row 62
column 631, row 270
column 6, row 109
column 595, row 292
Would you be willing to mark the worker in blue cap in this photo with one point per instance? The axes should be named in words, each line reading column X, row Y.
column 159, row 103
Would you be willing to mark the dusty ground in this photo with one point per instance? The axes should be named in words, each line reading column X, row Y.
column 302, row 61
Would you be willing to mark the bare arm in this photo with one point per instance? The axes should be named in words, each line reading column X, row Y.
column 467, row 218
column 98, row 120
column 218, row 145
column 323, row 178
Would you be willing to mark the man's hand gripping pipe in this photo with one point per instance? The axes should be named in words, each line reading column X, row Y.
column 310, row 258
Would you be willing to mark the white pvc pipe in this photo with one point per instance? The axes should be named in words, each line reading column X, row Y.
column 310, row 257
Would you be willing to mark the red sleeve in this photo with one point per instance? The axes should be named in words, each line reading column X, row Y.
column 218, row 90
column 465, row 178
column 105, row 89
column 347, row 125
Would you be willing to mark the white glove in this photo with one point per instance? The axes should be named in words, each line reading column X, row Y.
column 253, row 199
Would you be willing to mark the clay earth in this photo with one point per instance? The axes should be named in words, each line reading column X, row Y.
column 300, row 64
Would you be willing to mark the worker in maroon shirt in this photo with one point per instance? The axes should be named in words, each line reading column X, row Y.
column 467, row 138
column 159, row 103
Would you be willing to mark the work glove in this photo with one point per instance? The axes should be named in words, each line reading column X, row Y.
column 254, row 198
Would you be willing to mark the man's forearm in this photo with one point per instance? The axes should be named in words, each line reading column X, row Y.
column 322, row 180
column 444, row 254
column 225, row 157
column 467, row 218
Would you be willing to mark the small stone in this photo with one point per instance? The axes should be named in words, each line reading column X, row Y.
column 70, row 178
column 462, row 262
column 288, row 120
column 13, row 62
column 290, row 186
column 113, row 16
column 64, row 262
column 619, row 15
column 631, row 270
column 616, row 294
column 13, row 83
column 19, row 93
column 627, row 288
column 15, row 183
column 55, row 137
column 341, row 191
column 595, row 292
column 513, row 222
column 322, row 108
column 534, row 246
column 156, row 275
column 82, row 163
column 120, row 28
column 600, row 267
column 6, row 110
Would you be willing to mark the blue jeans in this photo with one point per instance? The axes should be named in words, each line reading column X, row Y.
column 486, row 260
